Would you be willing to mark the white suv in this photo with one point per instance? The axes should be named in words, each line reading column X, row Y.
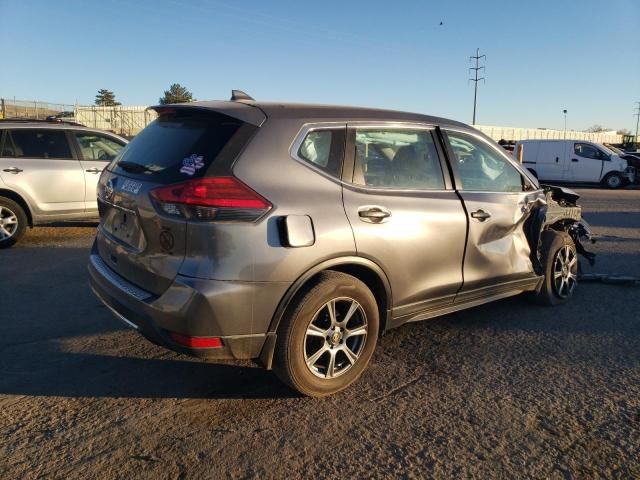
column 49, row 172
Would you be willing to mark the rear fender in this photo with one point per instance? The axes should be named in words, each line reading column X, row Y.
column 266, row 356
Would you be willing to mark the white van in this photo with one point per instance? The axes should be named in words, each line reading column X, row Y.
column 575, row 161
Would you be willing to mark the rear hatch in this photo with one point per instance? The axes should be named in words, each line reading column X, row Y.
column 139, row 238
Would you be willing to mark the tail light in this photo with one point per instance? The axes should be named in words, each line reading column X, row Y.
column 208, row 199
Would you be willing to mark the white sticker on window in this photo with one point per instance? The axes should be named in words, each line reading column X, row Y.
column 191, row 164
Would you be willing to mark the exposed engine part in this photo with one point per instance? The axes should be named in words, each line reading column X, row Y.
column 561, row 212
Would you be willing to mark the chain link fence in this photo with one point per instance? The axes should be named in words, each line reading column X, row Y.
column 123, row 120
column 13, row 108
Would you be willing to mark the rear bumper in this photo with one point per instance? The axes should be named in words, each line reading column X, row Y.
column 238, row 313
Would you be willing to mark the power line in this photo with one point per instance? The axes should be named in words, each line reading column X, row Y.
column 476, row 79
column 637, row 115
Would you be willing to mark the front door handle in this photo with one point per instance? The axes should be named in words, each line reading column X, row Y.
column 94, row 170
column 373, row 214
column 480, row 215
column 14, row 170
column 575, row 160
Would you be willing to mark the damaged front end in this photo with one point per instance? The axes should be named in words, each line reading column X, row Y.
column 559, row 211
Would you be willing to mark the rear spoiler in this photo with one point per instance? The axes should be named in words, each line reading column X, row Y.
column 244, row 111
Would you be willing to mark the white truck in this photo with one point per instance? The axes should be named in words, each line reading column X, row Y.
column 574, row 161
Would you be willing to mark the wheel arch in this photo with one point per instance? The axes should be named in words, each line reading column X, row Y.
column 364, row 269
column 10, row 194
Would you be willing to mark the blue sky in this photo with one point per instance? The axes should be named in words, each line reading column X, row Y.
column 541, row 56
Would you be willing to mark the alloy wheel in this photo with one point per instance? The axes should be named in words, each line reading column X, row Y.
column 335, row 338
column 614, row 181
column 8, row 223
column 565, row 271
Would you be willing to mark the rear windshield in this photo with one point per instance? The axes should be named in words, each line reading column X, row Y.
column 183, row 145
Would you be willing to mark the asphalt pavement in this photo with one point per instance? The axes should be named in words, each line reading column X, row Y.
column 505, row 390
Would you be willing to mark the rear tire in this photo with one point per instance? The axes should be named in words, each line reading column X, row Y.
column 327, row 336
column 613, row 181
column 13, row 222
column 560, row 260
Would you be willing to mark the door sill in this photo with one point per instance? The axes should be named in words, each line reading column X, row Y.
column 471, row 299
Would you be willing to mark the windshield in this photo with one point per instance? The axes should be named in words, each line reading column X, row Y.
column 606, row 149
column 615, row 150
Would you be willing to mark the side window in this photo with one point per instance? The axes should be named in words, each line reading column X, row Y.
column 324, row 149
column 397, row 159
column 586, row 151
column 27, row 143
column 481, row 167
column 97, row 147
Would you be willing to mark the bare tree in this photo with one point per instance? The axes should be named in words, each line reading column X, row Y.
column 597, row 129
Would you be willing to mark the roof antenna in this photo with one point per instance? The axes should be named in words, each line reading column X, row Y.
column 239, row 95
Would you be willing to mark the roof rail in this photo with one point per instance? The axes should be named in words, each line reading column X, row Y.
column 40, row 120
column 239, row 96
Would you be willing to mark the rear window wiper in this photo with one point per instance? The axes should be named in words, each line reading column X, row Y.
column 133, row 167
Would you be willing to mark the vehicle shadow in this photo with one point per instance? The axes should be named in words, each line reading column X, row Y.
column 57, row 340
column 50, row 372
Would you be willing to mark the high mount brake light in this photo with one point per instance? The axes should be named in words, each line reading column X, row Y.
column 213, row 198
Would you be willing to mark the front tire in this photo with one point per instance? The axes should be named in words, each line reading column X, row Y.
column 613, row 181
column 13, row 222
column 560, row 260
column 327, row 336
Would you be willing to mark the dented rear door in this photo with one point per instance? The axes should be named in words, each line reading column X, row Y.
column 498, row 201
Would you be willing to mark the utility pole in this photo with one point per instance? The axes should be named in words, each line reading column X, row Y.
column 476, row 79
column 637, row 115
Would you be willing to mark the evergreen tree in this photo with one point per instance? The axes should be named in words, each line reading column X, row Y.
column 176, row 94
column 106, row 98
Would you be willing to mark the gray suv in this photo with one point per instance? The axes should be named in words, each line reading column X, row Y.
column 49, row 173
column 298, row 234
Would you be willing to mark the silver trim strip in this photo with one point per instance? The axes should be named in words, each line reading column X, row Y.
column 115, row 312
column 107, row 202
column 117, row 281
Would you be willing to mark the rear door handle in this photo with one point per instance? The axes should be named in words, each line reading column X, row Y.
column 373, row 214
column 480, row 215
column 14, row 170
column 575, row 160
column 94, row 170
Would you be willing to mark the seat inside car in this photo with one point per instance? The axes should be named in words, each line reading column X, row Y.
column 414, row 169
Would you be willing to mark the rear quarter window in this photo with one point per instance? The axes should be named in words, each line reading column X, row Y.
column 324, row 149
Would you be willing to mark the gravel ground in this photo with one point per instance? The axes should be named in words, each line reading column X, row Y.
column 506, row 390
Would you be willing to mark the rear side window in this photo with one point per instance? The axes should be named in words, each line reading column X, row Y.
column 397, row 159
column 183, row 145
column 324, row 149
column 27, row 143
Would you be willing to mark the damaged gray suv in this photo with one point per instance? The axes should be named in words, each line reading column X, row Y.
column 298, row 234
